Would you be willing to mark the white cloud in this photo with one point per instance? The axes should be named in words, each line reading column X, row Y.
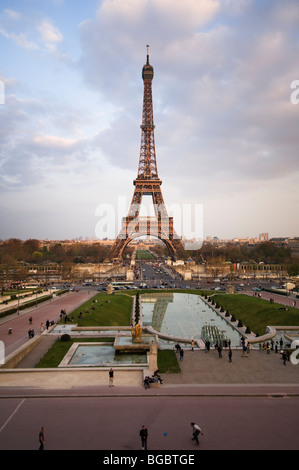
column 13, row 14
column 49, row 33
column 23, row 41
column 54, row 142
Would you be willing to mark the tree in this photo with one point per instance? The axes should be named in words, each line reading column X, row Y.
column 293, row 269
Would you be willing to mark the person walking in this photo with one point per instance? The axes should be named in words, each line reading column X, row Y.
column 41, row 439
column 196, row 430
column 181, row 354
column 143, row 435
column 111, row 377
column 230, row 355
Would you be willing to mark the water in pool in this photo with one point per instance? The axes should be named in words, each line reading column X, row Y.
column 104, row 355
column 183, row 316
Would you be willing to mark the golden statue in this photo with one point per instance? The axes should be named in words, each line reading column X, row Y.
column 136, row 332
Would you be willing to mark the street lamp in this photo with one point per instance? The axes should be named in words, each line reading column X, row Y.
column 18, row 310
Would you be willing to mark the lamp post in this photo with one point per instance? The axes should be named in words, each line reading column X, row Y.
column 18, row 310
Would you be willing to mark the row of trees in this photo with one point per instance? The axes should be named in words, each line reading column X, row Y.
column 14, row 251
column 267, row 252
column 33, row 251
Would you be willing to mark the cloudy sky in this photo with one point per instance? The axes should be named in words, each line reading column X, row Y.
column 226, row 117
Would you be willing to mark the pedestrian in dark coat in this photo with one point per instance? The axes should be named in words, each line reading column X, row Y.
column 144, row 435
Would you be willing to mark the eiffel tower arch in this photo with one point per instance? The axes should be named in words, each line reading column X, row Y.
column 147, row 183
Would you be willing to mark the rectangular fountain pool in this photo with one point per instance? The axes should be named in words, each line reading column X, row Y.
column 100, row 354
column 183, row 316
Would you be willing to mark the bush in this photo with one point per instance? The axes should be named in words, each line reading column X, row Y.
column 240, row 324
column 65, row 337
column 248, row 330
column 233, row 318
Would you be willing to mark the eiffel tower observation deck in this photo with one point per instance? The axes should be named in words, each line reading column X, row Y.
column 147, row 183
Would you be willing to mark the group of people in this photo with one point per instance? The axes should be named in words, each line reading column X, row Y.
column 65, row 316
column 143, row 433
column 196, row 431
column 31, row 331
column 156, row 378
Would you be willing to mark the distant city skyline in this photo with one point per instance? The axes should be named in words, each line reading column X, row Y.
column 261, row 238
column 71, row 95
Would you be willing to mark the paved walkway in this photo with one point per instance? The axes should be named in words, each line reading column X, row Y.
column 200, row 373
column 49, row 310
column 258, row 367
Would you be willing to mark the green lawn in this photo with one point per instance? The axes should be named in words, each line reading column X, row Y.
column 144, row 254
column 104, row 310
column 167, row 362
column 257, row 313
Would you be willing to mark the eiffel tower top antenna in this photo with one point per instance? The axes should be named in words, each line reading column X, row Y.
column 147, row 161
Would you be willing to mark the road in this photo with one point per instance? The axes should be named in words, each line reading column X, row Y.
column 113, row 423
column 40, row 314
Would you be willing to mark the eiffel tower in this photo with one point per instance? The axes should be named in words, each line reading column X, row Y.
column 147, row 183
